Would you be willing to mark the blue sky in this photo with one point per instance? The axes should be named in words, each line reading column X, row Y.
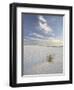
column 42, row 27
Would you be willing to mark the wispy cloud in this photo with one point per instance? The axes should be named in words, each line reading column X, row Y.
column 33, row 38
column 36, row 35
column 41, row 18
column 44, row 25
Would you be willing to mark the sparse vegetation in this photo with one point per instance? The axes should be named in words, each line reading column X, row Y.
column 50, row 58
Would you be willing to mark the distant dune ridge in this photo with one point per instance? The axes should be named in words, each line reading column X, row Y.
column 50, row 42
column 35, row 60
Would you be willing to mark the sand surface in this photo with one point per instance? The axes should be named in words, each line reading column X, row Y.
column 35, row 60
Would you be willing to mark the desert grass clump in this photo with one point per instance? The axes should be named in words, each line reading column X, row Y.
column 50, row 58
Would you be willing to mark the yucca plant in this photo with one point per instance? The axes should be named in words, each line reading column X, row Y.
column 50, row 58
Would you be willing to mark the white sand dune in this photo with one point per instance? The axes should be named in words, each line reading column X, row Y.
column 35, row 60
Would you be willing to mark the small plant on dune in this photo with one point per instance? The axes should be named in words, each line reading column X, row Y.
column 50, row 57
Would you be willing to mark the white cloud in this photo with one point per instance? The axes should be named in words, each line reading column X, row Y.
column 41, row 18
column 31, row 38
column 44, row 25
column 36, row 39
column 37, row 35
